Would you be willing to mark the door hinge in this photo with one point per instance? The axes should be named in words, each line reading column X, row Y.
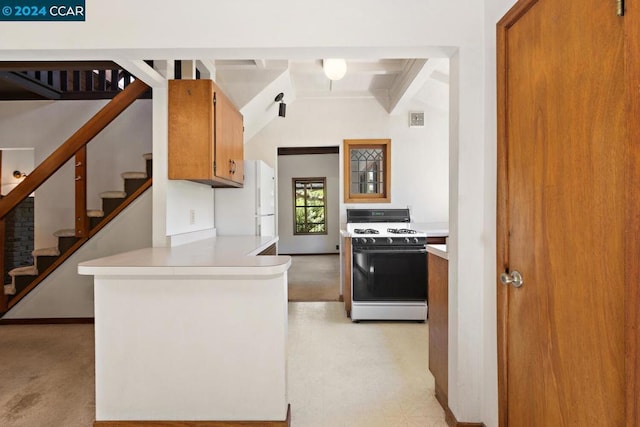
column 620, row 7
column 214, row 168
column 215, row 100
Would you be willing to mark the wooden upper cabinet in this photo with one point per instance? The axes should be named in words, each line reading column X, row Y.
column 205, row 134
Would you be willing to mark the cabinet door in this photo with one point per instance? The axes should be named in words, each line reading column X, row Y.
column 228, row 138
column 190, row 129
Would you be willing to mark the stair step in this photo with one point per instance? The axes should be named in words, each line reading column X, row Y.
column 9, row 289
column 67, row 232
column 95, row 213
column 133, row 175
column 44, row 257
column 54, row 251
column 29, row 270
column 147, row 156
column 113, row 195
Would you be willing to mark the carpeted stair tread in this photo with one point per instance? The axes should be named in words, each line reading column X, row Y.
column 133, row 175
column 95, row 213
column 68, row 232
column 53, row 251
column 147, row 156
column 29, row 270
column 9, row 289
column 113, row 195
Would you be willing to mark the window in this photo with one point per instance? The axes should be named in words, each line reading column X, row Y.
column 367, row 170
column 309, row 205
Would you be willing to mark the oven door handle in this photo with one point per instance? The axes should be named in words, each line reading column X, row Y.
column 390, row 250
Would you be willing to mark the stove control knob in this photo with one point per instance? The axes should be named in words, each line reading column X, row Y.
column 406, row 239
column 415, row 240
column 372, row 240
column 389, row 239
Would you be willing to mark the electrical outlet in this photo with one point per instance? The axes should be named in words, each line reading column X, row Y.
column 192, row 216
column 337, row 247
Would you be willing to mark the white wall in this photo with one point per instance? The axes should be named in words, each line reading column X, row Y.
column 45, row 125
column 20, row 159
column 65, row 293
column 308, row 166
column 359, row 28
column 419, row 156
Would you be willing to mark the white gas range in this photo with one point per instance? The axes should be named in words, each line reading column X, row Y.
column 389, row 266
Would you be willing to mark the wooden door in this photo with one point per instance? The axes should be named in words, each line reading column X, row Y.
column 562, row 212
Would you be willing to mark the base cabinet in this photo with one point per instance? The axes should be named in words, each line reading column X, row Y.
column 438, row 325
column 205, row 135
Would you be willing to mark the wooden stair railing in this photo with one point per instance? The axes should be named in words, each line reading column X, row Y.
column 74, row 146
column 64, row 80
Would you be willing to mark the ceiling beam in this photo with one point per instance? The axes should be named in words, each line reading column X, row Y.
column 29, row 84
column 409, row 83
column 207, row 68
column 141, row 70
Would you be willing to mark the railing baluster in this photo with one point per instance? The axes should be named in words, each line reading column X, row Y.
column 115, row 78
column 82, row 221
column 102, row 80
column 88, row 83
column 63, row 81
column 76, row 81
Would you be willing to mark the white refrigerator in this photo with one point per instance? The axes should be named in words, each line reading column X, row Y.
column 249, row 210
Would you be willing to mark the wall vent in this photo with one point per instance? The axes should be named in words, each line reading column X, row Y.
column 416, row 119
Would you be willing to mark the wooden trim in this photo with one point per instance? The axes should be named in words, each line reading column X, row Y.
column 632, row 227
column 294, row 181
column 64, row 256
column 502, row 202
column 501, row 214
column 300, row 151
column 82, row 221
column 63, row 153
column 49, row 321
column 285, row 423
column 346, row 290
column 384, row 197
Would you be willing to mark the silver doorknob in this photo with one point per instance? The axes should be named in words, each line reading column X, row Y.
column 514, row 278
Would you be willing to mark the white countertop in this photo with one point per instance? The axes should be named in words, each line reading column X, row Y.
column 216, row 256
column 439, row 250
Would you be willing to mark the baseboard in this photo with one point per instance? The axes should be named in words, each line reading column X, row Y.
column 49, row 321
column 285, row 423
column 450, row 418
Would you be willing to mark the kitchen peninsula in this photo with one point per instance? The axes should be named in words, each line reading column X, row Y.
column 191, row 333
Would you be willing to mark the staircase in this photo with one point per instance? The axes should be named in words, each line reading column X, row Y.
column 87, row 221
column 45, row 260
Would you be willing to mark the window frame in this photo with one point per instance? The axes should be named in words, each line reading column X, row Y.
column 307, row 180
column 385, row 195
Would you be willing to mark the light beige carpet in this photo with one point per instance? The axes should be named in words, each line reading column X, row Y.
column 46, row 375
column 314, row 278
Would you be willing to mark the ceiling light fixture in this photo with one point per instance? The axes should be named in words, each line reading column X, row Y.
column 334, row 68
column 282, row 110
